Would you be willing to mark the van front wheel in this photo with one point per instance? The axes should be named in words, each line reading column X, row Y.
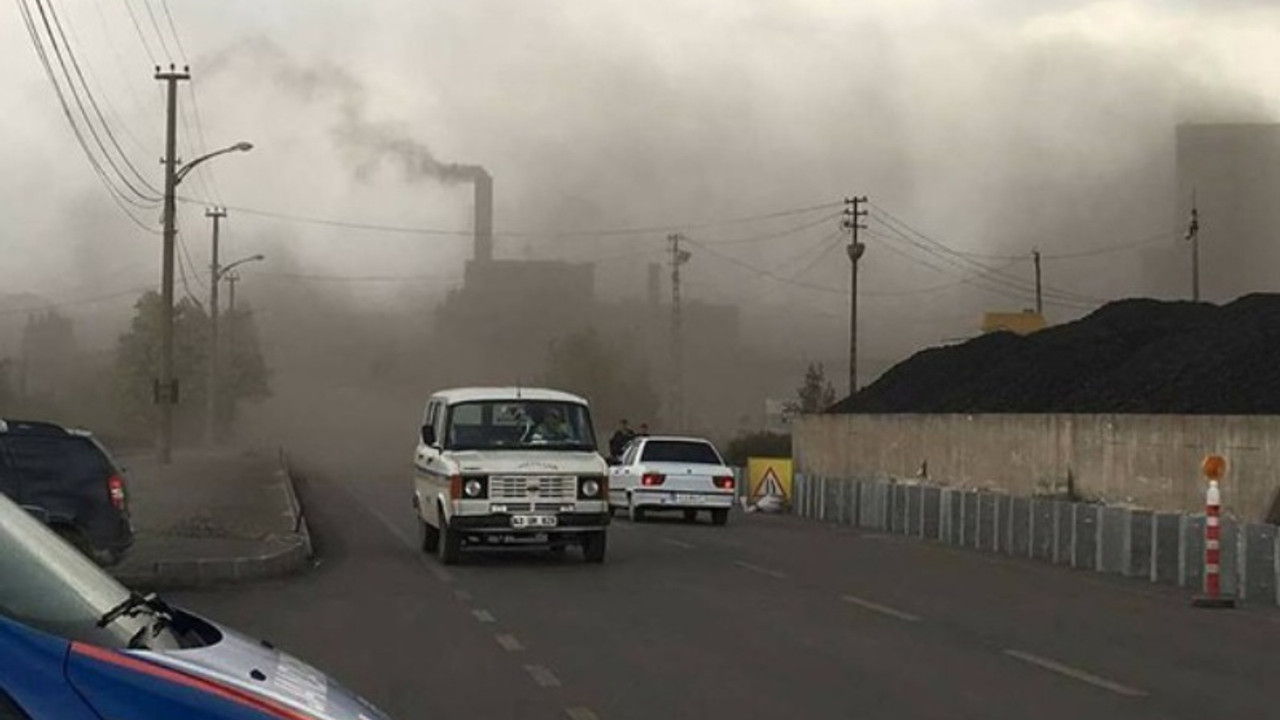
column 593, row 546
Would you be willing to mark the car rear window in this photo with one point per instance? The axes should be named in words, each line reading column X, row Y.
column 43, row 462
column 681, row 451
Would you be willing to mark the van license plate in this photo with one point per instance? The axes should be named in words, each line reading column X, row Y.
column 686, row 499
column 533, row 521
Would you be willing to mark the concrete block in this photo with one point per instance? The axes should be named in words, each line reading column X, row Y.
column 949, row 517
column 1138, row 547
column 931, row 513
column 1043, row 529
column 899, row 509
column 987, row 522
column 1019, row 527
column 1229, row 561
column 852, row 499
column 1191, row 557
column 1084, row 551
column 1063, row 531
column 830, row 499
column 913, row 510
column 1004, row 523
column 840, row 495
column 801, row 484
column 1113, row 538
column 969, row 519
column 1260, row 565
column 1166, row 534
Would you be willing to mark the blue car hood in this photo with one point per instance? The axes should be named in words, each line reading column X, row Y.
column 284, row 678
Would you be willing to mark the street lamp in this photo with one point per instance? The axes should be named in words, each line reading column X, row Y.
column 166, row 387
column 211, row 399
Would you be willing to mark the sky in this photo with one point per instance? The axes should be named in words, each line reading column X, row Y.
column 993, row 128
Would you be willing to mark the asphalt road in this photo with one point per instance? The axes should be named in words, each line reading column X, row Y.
column 768, row 617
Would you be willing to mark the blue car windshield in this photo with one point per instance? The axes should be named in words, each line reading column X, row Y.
column 46, row 584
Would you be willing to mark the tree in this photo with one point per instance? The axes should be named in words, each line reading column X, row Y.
column 137, row 366
column 584, row 364
column 816, row 394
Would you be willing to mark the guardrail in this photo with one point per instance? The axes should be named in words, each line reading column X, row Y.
column 1159, row 547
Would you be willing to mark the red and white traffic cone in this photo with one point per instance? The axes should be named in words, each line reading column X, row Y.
column 1212, row 597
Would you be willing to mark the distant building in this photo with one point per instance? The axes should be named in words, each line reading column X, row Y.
column 1232, row 171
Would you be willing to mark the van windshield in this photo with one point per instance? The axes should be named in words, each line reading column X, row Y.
column 519, row 424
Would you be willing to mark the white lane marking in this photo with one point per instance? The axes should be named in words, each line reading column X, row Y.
column 763, row 571
column 882, row 609
column 1075, row 673
column 678, row 543
column 484, row 616
column 542, row 675
column 580, row 713
column 462, row 595
column 509, row 642
column 441, row 574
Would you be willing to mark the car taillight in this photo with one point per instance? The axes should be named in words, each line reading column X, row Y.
column 115, row 491
column 651, row 479
column 724, row 482
column 226, row 692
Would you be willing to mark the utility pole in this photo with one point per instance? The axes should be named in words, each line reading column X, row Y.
column 678, row 258
column 852, row 212
column 1193, row 234
column 1035, row 255
column 166, row 390
column 211, row 392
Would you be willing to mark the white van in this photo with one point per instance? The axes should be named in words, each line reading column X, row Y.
column 502, row 465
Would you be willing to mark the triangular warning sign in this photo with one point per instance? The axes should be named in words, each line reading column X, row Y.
column 770, row 485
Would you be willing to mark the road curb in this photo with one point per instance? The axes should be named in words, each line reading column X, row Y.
column 286, row 554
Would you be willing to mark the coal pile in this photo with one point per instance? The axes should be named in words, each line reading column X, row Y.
column 1132, row 356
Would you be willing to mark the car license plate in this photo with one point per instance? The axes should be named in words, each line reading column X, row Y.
column 686, row 499
column 533, row 521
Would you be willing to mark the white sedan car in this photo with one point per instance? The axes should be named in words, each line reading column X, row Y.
column 672, row 473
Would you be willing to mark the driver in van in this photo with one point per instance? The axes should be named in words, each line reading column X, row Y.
column 553, row 427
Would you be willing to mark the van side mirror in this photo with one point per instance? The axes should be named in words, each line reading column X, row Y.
column 429, row 435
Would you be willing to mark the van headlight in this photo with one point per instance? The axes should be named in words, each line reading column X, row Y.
column 473, row 488
column 590, row 488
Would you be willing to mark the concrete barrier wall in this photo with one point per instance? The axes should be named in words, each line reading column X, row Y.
column 1165, row 548
column 1147, row 461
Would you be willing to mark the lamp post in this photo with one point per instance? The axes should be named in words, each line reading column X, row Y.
column 166, row 387
column 211, row 393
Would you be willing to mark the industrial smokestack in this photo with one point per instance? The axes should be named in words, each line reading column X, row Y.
column 484, row 215
column 655, row 286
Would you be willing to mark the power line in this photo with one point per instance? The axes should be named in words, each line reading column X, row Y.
column 155, row 194
column 116, row 196
column 177, row 39
column 410, row 230
column 141, row 35
column 159, row 33
column 346, row 278
column 81, row 301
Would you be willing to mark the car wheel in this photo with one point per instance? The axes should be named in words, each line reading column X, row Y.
column 450, row 544
column 593, row 546
column 690, row 515
column 635, row 512
column 430, row 536
column 719, row 517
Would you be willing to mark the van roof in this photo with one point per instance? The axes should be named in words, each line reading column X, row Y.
column 474, row 394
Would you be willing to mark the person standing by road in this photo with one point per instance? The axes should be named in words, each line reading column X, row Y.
column 618, row 441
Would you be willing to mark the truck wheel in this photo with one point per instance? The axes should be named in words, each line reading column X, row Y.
column 719, row 517
column 450, row 544
column 593, row 546
column 430, row 536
